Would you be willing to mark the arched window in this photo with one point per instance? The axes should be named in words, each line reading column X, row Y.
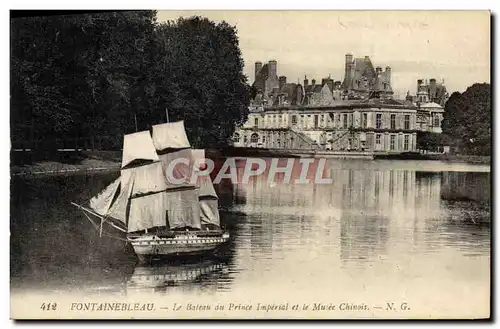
column 236, row 138
column 254, row 138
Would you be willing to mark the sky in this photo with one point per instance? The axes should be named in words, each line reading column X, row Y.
column 453, row 46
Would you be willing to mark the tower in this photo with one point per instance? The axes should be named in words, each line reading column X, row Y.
column 273, row 68
column 349, row 66
column 258, row 67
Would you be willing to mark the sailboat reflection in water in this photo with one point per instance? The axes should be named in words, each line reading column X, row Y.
column 155, row 201
column 160, row 276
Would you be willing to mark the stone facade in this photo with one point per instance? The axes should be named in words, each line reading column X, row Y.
column 429, row 100
column 358, row 113
column 364, row 126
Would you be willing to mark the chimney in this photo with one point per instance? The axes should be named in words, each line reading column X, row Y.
column 348, row 65
column 348, row 58
column 258, row 67
column 282, row 81
column 367, row 58
column 273, row 69
column 378, row 69
column 388, row 71
column 313, row 82
column 432, row 88
column 306, row 82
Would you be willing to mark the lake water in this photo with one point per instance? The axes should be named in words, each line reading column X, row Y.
column 382, row 231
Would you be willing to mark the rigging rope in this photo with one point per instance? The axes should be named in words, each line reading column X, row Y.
column 98, row 228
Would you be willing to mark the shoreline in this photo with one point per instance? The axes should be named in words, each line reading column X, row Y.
column 109, row 161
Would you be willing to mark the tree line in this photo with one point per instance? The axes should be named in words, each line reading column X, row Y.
column 102, row 75
column 466, row 123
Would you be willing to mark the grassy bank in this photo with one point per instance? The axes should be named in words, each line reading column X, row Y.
column 32, row 163
column 25, row 163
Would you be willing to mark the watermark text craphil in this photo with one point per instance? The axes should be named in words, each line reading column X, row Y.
column 181, row 171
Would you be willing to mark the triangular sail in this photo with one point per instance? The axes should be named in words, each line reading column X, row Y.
column 102, row 202
column 118, row 209
column 209, row 211
column 209, row 204
column 204, row 182
column 170, row 135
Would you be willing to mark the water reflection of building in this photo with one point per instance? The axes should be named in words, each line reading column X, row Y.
column 362, row 214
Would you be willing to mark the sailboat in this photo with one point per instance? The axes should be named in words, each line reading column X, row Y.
column 156, row 202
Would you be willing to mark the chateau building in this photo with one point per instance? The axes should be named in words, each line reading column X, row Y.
column 357, row 113
column 372, row 125
column 429, row 100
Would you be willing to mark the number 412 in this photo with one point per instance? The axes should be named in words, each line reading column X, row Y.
column 48, row 306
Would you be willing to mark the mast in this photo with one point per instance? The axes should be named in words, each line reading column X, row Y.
column 138, row 196
column 171, row 144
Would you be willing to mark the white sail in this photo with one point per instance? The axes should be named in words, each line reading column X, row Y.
column 204, row 182
column 148, row 204
column 180, row 170
column 148, row 178
column 138, row 146
column 209, row 204
column 209, row 211
column 101, row 202
column 170, row 135
column 118, row 209
column 183, row 208
column 148, row 211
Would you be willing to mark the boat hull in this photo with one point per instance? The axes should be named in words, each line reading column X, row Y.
column 152, row 246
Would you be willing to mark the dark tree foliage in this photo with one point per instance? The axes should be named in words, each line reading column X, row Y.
column 430, row 141
column 467, row 119
column 103, row 75
column 199, row 78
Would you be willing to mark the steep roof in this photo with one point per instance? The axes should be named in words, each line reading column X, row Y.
column 316, row 88
column 363, row 67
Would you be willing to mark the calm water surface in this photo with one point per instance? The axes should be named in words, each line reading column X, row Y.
column 420, row 230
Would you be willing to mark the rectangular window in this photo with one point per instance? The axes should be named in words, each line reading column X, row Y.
column 407, row 142
column 378, row 123
column 436, row 121
column 351, row 120
column 315, row 121
column 393, row 142
column 378, row 139
column 365, row 120
column 345, row 120
column 294, row 119
column 407, row 122
column 263, row 138
column 256, row 124
column 393, row 121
